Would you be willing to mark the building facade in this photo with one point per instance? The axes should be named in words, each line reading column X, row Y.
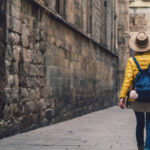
column 58, row 61
column 139, row 14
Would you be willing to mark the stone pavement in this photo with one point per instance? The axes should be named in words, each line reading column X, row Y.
column 108, row 129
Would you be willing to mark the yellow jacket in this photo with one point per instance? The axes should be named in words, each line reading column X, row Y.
column 131, row 71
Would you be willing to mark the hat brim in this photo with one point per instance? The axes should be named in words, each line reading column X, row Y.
column 136, row 48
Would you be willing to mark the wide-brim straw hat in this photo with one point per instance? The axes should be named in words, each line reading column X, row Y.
column 140, row 42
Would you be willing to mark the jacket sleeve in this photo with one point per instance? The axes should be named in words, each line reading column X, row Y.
column 128, row 78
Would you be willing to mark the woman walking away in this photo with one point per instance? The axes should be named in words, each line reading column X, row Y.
column 137, row 77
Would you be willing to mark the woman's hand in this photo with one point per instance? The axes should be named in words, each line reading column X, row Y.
column 122, row 103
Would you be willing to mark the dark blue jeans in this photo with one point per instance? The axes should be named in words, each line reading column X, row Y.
column 140, row 119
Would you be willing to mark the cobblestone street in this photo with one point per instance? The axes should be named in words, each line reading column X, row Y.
column 108, row 129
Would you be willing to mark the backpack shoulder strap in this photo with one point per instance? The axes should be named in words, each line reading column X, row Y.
column 138, row 66
column 149, row 66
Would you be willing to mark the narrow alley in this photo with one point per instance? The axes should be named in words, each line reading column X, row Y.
column 64, row 61
column 108, row 129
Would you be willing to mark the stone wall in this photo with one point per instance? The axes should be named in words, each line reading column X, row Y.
column 123, row 38
column 94, row 17
column 103, row 22
column 53, row 70
column 2, row 53
column 74, row 11
column 139, row 16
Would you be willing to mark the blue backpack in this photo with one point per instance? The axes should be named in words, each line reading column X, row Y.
column 142, row 83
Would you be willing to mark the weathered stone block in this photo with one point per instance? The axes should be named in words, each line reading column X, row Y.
column 14, row 10
column 67, row 63
column 30, row 22
column 26, row 31
column 58, row 61
column 30, row 82
column 12, row 81
column 16, row 110
column 10, row 111
column 36, row 34
column 25, row 41
column 23, row 93
column 60, row 43
column 13, row 68
column 43, row 46
column 32, row 94
column 14, row 38
column 11, row 95
column 51, row 39
column 37, row 57
column 27, row 55
column 43, row 35
column 2, row 49
column 37, row 46
column 41, row 82
column 14, row 24
column 7, row 112
column 16, row 2
column 31, row 107
column 53, row 72
column 43, row 92
column 26, row 120
column 49, row 60
column 67, row 54
column 41, row 69
column 2, row 33
column 52, row 50
column 34, row 70
column 31, row 44
column 61, row 53
column 24, row 68
column 43, row 104
column 74, row 57
column 35, row 117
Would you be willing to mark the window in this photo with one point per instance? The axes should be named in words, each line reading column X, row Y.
column 89, row 17
column 60, row 7
column 105, row 19
column 133, row 21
